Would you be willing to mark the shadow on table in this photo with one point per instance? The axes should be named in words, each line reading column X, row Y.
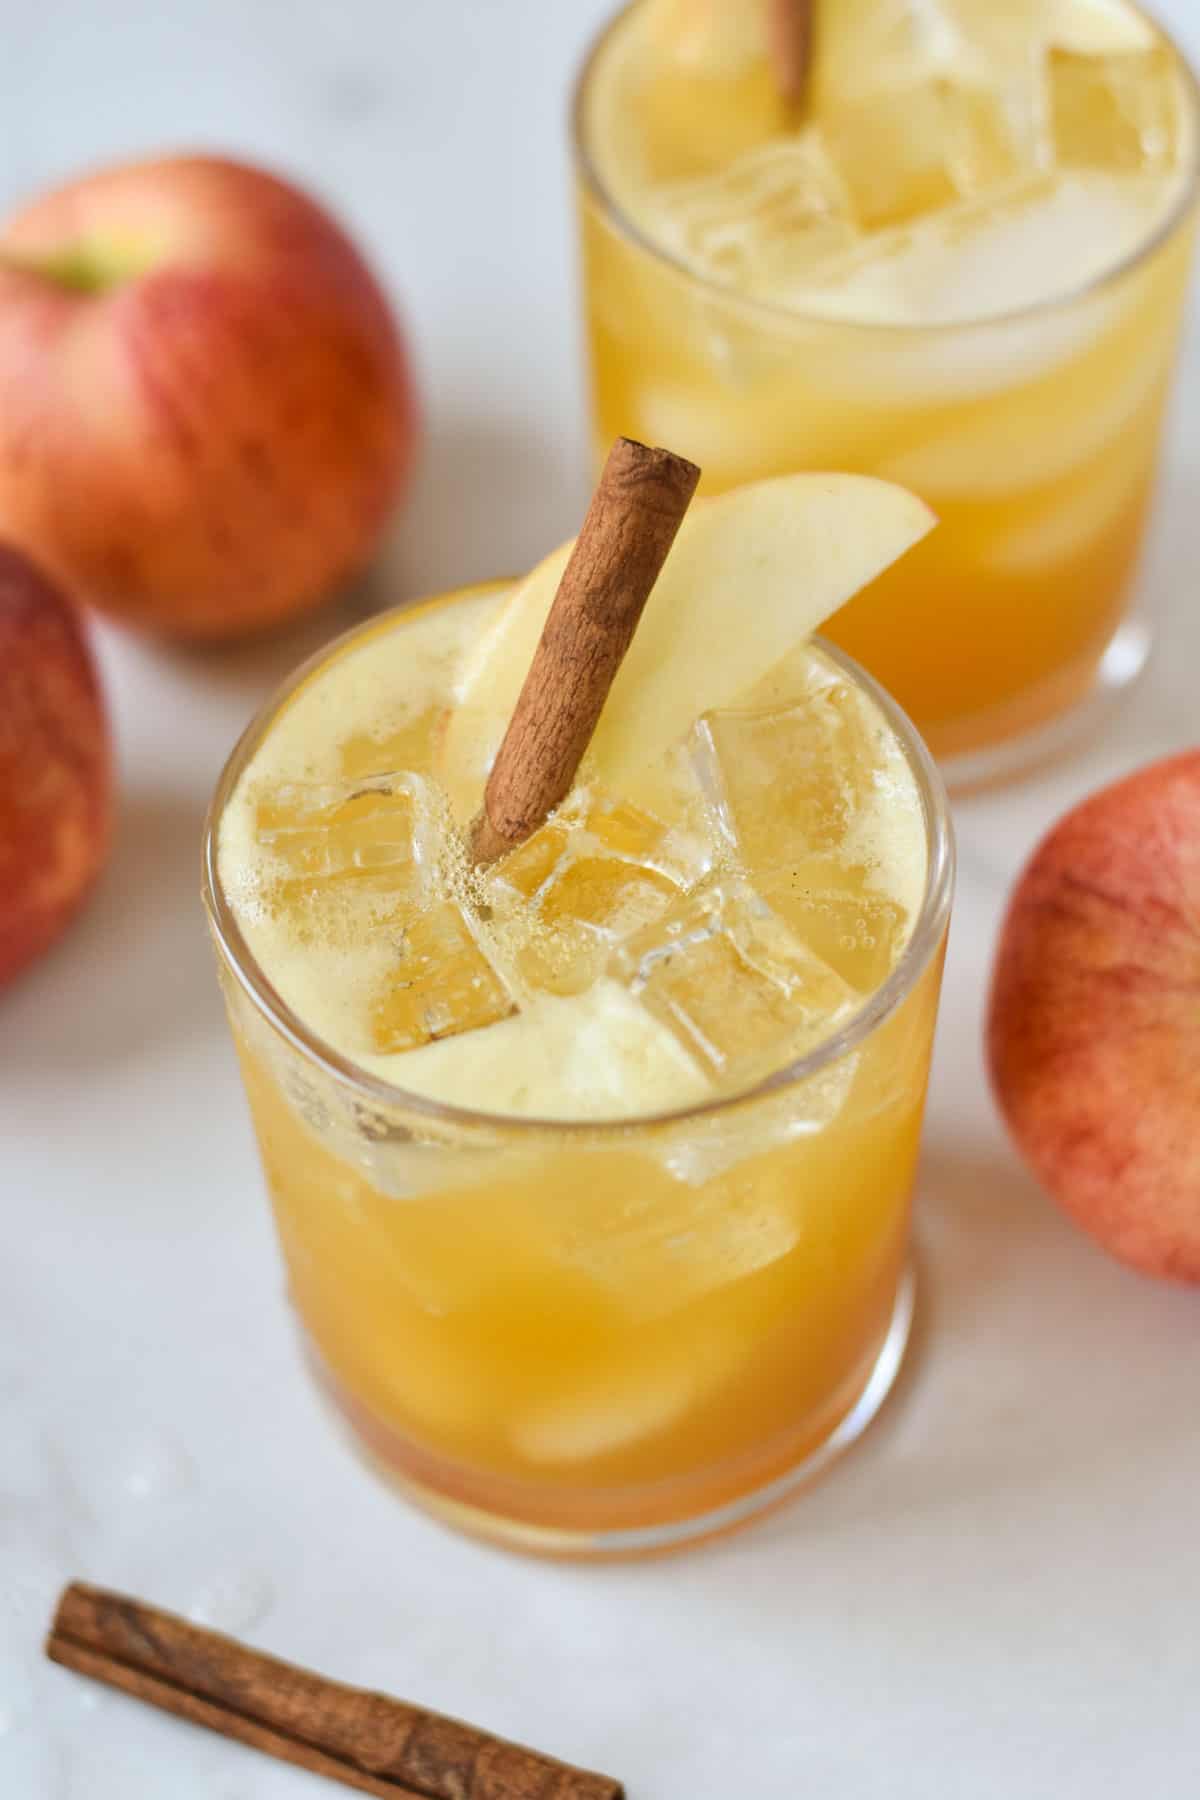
column 134, row 974
column 257, row 665
column 964, row 1418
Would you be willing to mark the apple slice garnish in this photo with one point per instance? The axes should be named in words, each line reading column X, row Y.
column 751, row 574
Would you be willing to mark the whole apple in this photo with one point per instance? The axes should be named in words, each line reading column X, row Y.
column 208, row 415
column 55, row 779
column 1094, row 1021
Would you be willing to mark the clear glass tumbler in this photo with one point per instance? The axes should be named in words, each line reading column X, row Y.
column 1034, row 435
column 598, row 1338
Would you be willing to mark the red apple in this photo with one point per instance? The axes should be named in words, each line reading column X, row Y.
column 1094, row 1021
column 207, row 410
column 55, row 788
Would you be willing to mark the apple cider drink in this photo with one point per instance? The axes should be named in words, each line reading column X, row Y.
column 591, row 1167
column 960, row 263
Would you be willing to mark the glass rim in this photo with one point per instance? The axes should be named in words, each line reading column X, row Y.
column 923, row 941
column 777, row 312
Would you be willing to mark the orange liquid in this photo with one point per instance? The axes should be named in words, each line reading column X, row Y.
column 542, row 1345
column 998, row 620
column 1035, row 635
column 579, row 1331
column 1033, row 436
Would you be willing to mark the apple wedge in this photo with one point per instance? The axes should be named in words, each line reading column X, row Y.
column 751, row 574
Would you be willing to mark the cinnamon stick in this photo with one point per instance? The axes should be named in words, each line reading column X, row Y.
column 630, row 526
column 792, row 28
column 366, row 1741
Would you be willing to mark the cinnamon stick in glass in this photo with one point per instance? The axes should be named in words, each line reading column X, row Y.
column 366, row 1741
column 792, row 28
column 630, row 526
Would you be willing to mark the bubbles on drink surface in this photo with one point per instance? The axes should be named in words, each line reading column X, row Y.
column 374, row 833
column 923, row 116
column 700, row 936
column 766, row 221
column 442, row 981
column 596, row 873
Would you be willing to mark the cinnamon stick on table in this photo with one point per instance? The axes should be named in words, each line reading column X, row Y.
column 792, row 28
column 630, row 526
column 366, row 1741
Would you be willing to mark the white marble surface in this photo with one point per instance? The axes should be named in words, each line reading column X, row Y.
column 998, row 1595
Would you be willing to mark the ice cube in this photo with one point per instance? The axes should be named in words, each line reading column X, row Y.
column 760, row 223
column 796, row 768
column 593, row 875
column 532, row 864
column 869, row 45
column 378, row 832
column 992, row 254
column 717, row 1145
column 824, row 813
column 605, row 896
column 995, row 133
column 981, row 57
column 593, row 904
column 726, row 976
column 606, row 1413
column 596, row 1055
column 443, row 982
column 1119, row 111
column 636, row 1392
column 713, row 1209
column 907, row 152
column 1002, row 46
column 627, row 832
column 701, row 91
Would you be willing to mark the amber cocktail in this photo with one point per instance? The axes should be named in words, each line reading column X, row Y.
column 592, row 1168
column 961, row 264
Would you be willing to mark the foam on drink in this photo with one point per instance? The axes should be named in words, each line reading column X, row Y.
column 633, row 956
column 958, row 159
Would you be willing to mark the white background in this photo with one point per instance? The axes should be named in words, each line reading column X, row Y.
column 998, row 1595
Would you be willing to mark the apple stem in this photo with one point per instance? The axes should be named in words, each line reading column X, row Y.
column 83, row 269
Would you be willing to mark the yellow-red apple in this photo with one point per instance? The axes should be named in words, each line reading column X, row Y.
column 1094, row 1019
column 55, row 786
column 207, row 411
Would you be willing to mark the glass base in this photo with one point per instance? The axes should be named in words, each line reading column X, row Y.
column 1048, row 722
column 542, row 1539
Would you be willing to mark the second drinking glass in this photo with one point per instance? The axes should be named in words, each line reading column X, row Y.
column 961, row 266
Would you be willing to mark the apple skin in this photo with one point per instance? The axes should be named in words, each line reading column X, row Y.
column 208, row 412
column 55, row 764
column 1093, row 1032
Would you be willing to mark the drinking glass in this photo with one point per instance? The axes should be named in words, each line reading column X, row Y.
column 598, row 1338
column 1034, row 434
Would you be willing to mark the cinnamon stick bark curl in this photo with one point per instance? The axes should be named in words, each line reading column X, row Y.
column 792, row 30
column 630, row 526
column 366, row 1741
